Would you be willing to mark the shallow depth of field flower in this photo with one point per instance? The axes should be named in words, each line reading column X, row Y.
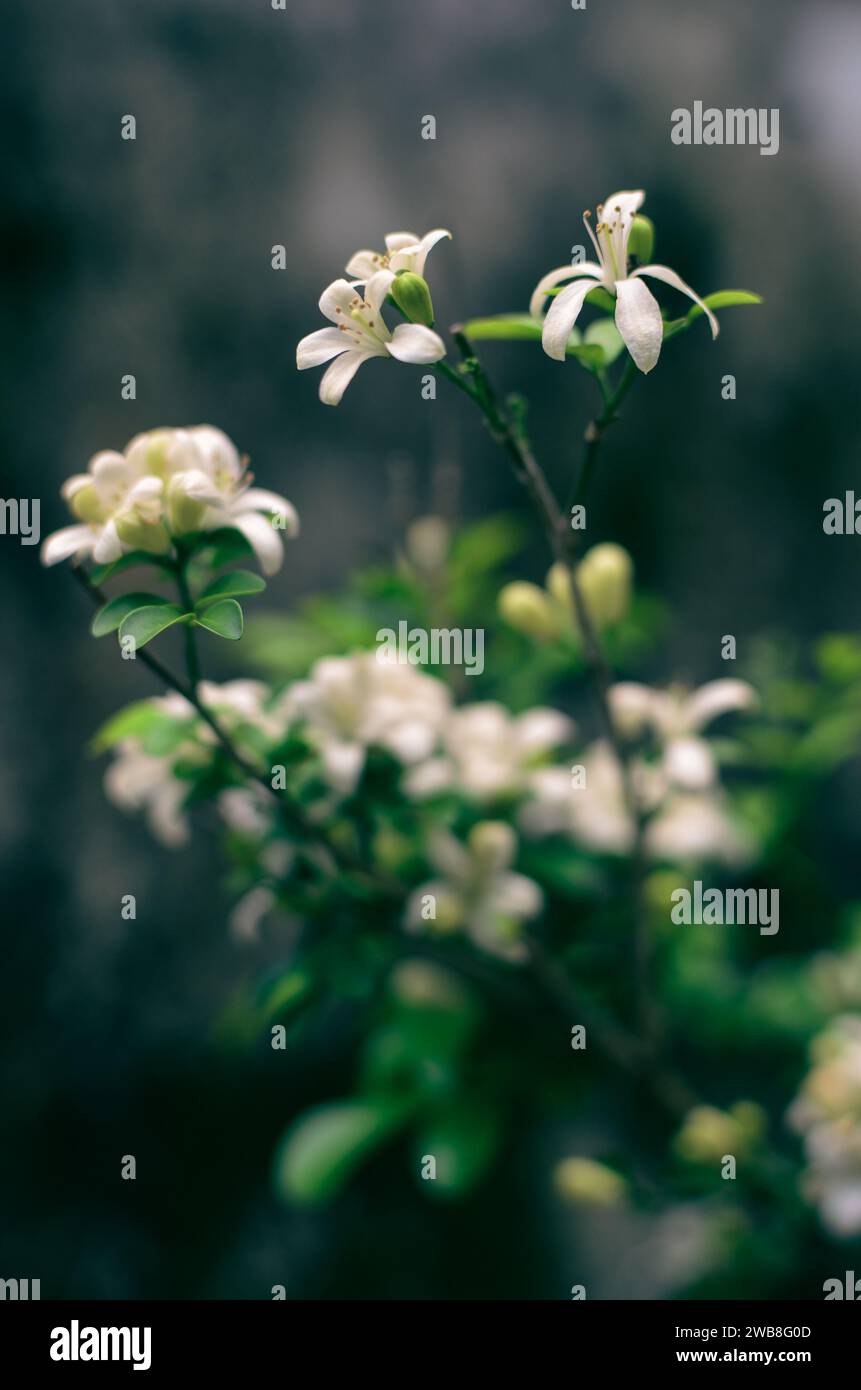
column 473, row 876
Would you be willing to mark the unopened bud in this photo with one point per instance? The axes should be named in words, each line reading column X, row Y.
column 604, row 576
column 641, row 242
column 584, row 1180
column 527, row 609
column 412, row 296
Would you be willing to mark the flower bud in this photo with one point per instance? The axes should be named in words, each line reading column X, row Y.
column 584, row 1180
column 412, row 296
column 188, row 495
column 604, row 576
column 427, row 543
column 493, row 844
column 641, row 242
column 85, row 504
column 527, row 609
column 134, row 531
column 559, row 586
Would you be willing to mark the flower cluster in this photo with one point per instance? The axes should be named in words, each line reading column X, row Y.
column 827, row 1111
column 166, row 484
column 498, row 767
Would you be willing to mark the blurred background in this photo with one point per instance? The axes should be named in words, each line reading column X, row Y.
column 258, row 127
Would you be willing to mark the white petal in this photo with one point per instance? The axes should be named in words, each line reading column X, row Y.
column 70, row 540
column 263, row 538
column 539, row 729
column 669, row 277
column 716, row 698
column 74, row 484
column 378, row 287
column 396, row 241
column 244, row 921
column 260, row 499
column 638, row 319
column 627, row 202
column 343, row 763
column 336, row 299
column 632, row 707
column 337, row 378
column 688, row 763
column 555, row 277
column 320, row 347
column 414, row 257
column 561, row 317
column 412, row 342
column 363, row 264
column 108, row 547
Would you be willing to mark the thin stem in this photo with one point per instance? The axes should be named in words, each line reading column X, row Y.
column 597, row 428
column 291, row 815
column 192, row 660
column 508, row 430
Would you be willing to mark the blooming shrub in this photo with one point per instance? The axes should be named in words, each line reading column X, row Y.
column 451, row 854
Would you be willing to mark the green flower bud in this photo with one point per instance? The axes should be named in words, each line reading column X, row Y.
column 604, row 576
column 142, row 535
column 641, row 242
column 412, row 296
column 527, row 609
column 84, row 502
column 584, row 1180
column 493, row 844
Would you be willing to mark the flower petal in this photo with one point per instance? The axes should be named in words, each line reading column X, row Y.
column 320, row 347
column 561, row 317
column 412, row 342
column 69, row 540
column 716, row 698
column 363, row 264
column 108, row 547
column 337, row 378
column 414, row 257
column 378, row 287
column 336, row 300
column 263, row 538
column 396, row 241
column 260, row 499
column 638, row 319
column 555, row 277
column 669, row 277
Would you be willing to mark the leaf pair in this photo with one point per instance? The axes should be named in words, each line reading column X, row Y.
column 142, row 616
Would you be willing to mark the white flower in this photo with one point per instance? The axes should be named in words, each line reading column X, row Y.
column 638, row 316
column 138, row 781
column 168, row 482
column 675, row 717
column 361, row 333
column 682, row 827
column 351, row 703
column 827, row 1111
column 491, row 753
column 119, row 507
column 404, row 251
column 477, row 891
column 208, row 486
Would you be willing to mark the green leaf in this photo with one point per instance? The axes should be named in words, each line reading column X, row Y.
column 232, row 585
column 224, row 618
column 463, row 1138
column 602, row 300
column 222, row 546
column 321, row 1150
column 604, row 334
column 111, row 615
column 508, row 327
column 131, row 722
column 133, row 558
column 146, row 623
column 721, row 299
